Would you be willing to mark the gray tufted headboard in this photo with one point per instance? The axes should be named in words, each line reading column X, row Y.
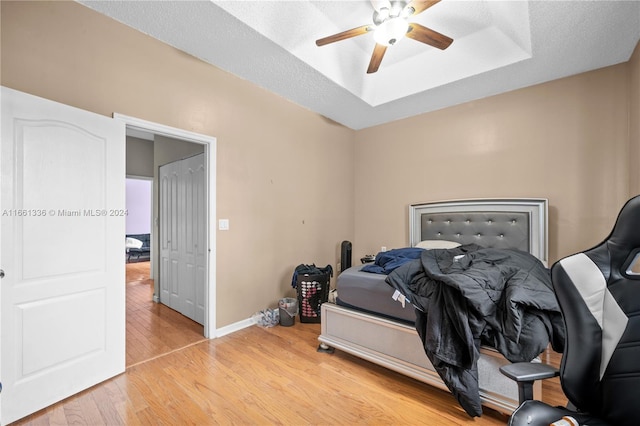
column 500, row 223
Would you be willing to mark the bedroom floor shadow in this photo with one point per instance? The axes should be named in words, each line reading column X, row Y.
column 153, row 329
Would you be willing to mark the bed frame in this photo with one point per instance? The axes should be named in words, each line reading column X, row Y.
column 502, row 223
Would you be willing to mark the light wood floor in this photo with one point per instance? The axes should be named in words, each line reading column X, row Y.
column 256, row 376
column 153, row 329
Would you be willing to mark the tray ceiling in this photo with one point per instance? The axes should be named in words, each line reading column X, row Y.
column 498, row 46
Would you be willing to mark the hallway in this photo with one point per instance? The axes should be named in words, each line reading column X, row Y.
column 153, row 329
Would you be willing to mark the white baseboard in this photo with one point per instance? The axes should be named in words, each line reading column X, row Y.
column 231, row 328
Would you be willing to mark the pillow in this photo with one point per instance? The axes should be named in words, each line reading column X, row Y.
column 132, row 243
column 437, row 244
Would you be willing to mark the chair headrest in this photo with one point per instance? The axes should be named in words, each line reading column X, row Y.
column 617, row 252
column 626, row 232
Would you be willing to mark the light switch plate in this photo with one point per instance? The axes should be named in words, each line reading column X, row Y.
column 223, row 224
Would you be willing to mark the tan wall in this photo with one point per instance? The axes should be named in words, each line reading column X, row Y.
column 634, row 121
column 566, row 140
column 139, row 157
column 283, row 173
column 286, row 176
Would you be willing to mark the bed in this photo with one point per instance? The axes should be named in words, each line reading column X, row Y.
column 369, row 322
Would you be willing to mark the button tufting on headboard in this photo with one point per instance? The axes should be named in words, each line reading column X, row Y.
column 488, row 229
column 502, row 223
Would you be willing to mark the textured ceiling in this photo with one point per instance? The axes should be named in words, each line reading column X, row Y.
column 498, row 46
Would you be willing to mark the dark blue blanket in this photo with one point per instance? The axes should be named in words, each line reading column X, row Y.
column 387, row 261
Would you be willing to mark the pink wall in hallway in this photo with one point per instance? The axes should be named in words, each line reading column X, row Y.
column 138, row 206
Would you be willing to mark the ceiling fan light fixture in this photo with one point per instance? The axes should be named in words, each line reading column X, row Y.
column 407, row 12
column 396, row 8
column 379, row 16
column 390, row 24
column 391, row 31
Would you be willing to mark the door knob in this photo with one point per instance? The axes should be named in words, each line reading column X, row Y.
column 1, row 273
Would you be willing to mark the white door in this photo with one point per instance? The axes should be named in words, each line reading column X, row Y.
column 169, row 250
column 62, row 298
column 193, row 233
column 183, row 236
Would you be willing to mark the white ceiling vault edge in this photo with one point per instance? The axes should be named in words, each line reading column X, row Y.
column 489, row 35
column 498, row 46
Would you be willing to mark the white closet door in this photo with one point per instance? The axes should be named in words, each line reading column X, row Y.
column 183, row 233
column 169, row 235
column 62, row 251
column 192, row 247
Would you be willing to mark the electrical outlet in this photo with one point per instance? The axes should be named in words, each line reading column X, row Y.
column 383, row 248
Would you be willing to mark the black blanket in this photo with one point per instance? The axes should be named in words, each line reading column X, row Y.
column 472, row 296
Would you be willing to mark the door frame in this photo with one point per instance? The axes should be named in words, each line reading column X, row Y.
column 210, row 144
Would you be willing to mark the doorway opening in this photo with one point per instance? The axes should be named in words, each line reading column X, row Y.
column 165, row 144
column 152, row 330
column 139, row 209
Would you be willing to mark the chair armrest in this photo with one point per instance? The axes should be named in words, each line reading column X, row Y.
column 525, row 373
column 529, row 371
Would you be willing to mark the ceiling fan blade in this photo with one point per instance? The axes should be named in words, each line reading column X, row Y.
column 428, row 36
column 376, row 58
column 344, row 35
column 420, row 6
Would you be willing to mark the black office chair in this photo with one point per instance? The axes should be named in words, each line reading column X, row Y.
column 599, row 296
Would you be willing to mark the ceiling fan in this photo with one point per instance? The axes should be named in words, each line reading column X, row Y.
column 391, row 22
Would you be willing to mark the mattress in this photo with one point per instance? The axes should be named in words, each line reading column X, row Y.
column 369, row 292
